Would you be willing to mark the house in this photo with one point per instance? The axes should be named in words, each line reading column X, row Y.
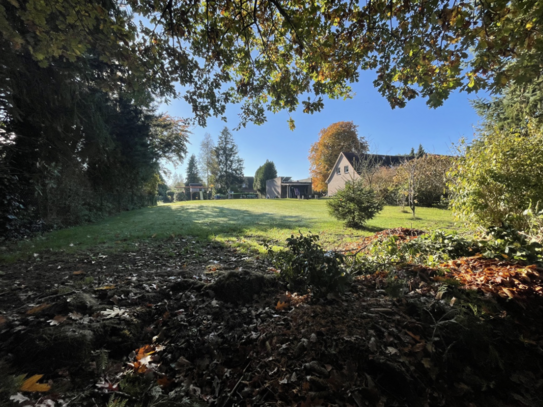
column 348, row 167
column 285, row 187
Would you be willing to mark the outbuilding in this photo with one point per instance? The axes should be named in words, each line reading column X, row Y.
column 285, row 187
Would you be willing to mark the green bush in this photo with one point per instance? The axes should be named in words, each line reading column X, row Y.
column 180, row 196
column 355, row 204
column 170, row 197
column 305, row 265
column 499, row 178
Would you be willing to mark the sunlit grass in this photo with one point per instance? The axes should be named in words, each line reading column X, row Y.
column 240, row 222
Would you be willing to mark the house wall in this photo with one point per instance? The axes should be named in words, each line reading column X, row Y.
column 337, row 181
column 273, row 188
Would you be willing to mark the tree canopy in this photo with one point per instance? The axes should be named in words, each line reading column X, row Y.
column 264, row 173
column 338, row 137
column 269, row 54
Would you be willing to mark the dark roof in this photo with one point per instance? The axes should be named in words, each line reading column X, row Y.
column 378, row 159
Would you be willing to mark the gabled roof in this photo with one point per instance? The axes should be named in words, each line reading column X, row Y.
column 380, row 160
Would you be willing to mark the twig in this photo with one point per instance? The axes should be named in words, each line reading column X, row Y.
column 236, row 386
column 57, row 295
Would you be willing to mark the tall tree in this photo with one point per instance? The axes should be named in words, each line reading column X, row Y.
column 420, row 151
column 514, row 109
column 264, row 173
column 229, row 166
column 338, row 137
column 207, row 159
column 192, row 171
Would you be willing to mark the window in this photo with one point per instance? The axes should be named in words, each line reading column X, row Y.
column 338, row 171
column 346, row 169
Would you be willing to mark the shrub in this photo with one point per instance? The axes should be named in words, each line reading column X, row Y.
column 306, row 265
column 180, row 196
column 355, row 204
column 498, row 179
column 170, row 195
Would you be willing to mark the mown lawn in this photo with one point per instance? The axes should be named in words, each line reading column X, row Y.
column 240, row 222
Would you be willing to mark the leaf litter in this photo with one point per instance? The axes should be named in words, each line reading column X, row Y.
column 159, row 334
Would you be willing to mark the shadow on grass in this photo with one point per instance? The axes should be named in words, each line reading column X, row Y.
column 119, row 233
column 372, row 229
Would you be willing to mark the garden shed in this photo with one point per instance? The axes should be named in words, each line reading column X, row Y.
column 286, row 187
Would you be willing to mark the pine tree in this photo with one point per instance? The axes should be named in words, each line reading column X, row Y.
column 229, row 166
column 192, row 171
column 420, row 151
column 412, row 153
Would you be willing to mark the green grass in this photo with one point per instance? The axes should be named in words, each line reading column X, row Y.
column 238, row 222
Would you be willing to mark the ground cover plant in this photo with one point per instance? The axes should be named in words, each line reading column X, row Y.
column 242, row 222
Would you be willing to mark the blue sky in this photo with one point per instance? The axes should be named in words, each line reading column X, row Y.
column 388, row 131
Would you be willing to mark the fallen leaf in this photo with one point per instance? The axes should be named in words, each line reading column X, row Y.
column 19, row 398
column 57, row 320
column 281, row 306
column 164, row 381
column 392, row 350
column 112, row 313
column 3, row 320
column 78, row 273
column 31, row 384
column 37, row 309
column 412, row 335
column 106, row 287
column 144, row 351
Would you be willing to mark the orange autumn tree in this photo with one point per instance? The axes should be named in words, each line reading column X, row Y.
column 338, row 137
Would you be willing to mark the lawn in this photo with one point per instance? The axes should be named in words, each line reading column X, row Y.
column 240, row 222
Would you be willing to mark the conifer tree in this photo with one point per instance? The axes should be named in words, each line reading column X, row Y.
column 192, row 171
column 229, row 175
column 420, row 151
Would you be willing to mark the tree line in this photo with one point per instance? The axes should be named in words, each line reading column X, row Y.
column 219, row 168
column 80, row 136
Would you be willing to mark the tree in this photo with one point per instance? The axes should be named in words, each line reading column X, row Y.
column 192, row 171
column 518, row 105
column 274, row 52
column 264, row 173
column 169, row 137
column 355, row 204
column 229, row 166
column 411, row 153
column 338, row 137
column 420, row 151
column 207, row 159
column 423, row 181
column 497, row 179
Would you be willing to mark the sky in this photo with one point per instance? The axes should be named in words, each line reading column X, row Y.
column 388, row 131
